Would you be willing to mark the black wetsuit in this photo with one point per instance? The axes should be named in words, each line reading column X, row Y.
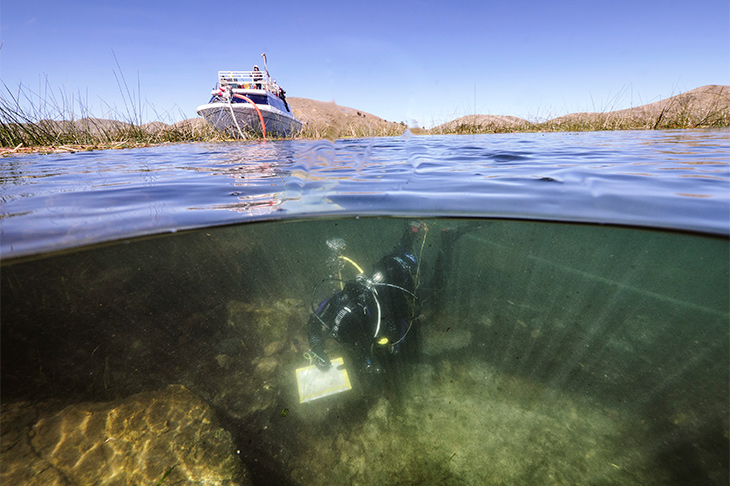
column 371, row 315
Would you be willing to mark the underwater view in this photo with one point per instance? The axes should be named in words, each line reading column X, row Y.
column 473, row 310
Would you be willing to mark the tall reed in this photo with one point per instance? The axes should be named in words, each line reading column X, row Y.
column 330, row 130
column 58, row 121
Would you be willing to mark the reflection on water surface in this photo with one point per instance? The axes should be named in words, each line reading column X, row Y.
column 667, row 179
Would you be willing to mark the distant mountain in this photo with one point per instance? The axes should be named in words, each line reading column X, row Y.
column 481, row 124
column 330, row 120
column 707, row 106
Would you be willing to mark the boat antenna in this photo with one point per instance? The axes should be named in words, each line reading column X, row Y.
column 266, row 67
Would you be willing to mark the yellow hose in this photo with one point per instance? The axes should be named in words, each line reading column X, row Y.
column 353, row 263
column 339, row 272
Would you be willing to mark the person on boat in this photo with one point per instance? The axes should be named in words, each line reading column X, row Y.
column 257, row 77
column 282, row 95
column 374, row 316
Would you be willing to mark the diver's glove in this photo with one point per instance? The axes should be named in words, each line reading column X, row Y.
column 372, row 366
column 320, row 358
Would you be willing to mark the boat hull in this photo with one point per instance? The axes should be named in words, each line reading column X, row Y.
column 241, row 120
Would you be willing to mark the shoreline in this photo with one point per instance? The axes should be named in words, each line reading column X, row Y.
column 418, row 132
column 704, row 107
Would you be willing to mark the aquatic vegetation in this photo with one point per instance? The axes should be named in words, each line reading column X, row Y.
column 474, row 124
column 51, row 127
column 332, row 131
column 31, row 121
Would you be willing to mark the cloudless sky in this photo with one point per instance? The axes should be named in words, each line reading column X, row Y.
column 422, row 62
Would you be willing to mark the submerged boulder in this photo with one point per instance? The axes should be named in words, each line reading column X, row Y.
column 256, row 367
column 148, row 438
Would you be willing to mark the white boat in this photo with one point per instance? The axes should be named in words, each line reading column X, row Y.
column 248, row 104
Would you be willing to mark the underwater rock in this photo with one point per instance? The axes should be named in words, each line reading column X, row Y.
column 437, row 341
column 231, row 347
column 20, row 464
column 170, row 434
column 224, row 361
column 265, row 367
column 260, row 326
column 257, row 339
column 486, row 320
column 273, row 348
column 240, row 394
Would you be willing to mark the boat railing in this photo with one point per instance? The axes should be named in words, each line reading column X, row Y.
column 247, row 80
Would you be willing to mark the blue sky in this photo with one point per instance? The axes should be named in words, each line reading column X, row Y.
column 419, row 62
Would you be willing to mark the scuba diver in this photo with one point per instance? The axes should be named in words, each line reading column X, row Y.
column 373, row 316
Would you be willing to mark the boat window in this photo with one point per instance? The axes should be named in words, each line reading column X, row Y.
column 277, row 103
column 258, row 99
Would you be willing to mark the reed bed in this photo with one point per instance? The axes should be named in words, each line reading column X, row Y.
column 333, row 131
column 472, row 125
column 47, row 126
column 53, row 122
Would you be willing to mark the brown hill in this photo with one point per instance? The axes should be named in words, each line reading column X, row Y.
column 482, row 124
column 328, row 120
column 322, row 120
column 706, row 106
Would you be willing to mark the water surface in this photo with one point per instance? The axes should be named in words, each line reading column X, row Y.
column 668, row 179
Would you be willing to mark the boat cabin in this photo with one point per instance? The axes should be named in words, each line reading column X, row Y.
column 258, row 86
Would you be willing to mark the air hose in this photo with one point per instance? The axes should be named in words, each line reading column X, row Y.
column 261, row 117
